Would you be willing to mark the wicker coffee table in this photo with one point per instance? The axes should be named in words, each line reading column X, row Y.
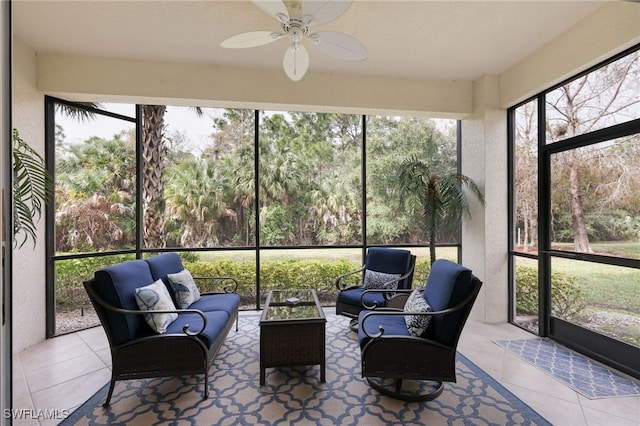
column 292, row 331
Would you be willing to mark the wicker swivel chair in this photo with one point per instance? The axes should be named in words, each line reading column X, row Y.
column 391, row 354
column 384, row 269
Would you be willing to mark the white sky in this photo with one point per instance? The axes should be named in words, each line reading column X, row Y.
column 182, row 119
column 177, row 119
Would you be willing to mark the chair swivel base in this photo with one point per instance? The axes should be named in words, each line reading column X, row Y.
column 420, row 390
column 353, row 325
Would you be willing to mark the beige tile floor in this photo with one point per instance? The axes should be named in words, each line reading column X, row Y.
column 62, row 373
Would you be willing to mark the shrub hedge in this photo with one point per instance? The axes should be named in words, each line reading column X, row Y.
column 567, row 298
column 282, row 274
column 70, row 293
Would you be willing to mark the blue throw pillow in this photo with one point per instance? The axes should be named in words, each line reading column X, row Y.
column 184, row 288
column 156, row 297
column 417, row 324
column 377, row 280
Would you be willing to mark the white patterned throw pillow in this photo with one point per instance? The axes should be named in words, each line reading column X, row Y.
column 377, row 280
column 156, row 297
column 417, row 324
column 184, row 288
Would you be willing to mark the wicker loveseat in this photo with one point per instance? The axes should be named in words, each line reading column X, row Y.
column 190, row 341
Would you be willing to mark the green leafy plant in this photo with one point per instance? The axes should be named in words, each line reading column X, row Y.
column 31, row 185
column 567, row 298
column 441, row 198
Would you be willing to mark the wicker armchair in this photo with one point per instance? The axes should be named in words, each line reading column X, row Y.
column 397, row 264
column 391, row 354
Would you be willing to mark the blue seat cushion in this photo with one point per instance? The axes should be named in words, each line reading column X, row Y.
column 352, row 298
column 116, row 285
column 448, row 284
column 216, row 321
column 226, row 302
column 394, row 325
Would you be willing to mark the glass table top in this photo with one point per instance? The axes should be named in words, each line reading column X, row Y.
column 292, row 304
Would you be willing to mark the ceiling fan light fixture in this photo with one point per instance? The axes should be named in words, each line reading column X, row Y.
column 296, row 18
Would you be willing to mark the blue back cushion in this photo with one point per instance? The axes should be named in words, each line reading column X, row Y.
column 116, row 284
column 389, row 261
column 447, row 285
column 163, row 264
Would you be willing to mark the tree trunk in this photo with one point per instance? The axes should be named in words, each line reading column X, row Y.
column 153, row 176
column 533, row 222
column 432, row 246
column 525, row 237
column 580, row 237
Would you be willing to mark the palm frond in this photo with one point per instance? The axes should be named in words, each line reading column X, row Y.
column 79, row 114
column 32, row 185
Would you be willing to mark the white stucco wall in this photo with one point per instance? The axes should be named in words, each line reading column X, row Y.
column 484, row 234
column 28, row 262
column 209, row 85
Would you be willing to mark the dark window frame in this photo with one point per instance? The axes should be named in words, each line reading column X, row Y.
column 140, row 251
column 600, row 347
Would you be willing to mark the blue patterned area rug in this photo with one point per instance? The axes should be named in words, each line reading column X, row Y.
column 580, row 373
column 295, row 395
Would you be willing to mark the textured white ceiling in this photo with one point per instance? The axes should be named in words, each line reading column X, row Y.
column 448, row 40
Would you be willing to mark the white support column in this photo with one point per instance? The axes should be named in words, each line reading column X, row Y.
column 29, row 262
column 485, row 234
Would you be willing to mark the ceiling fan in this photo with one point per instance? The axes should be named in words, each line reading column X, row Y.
column 296, row 18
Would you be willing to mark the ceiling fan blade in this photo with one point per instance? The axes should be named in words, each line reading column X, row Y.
column 250, row 39
column 339, row 45
column 296, row 61
column 325, row 11
column 273, row 8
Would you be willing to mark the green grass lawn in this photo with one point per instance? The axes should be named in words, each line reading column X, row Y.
column 630, row 249
column 607, row 286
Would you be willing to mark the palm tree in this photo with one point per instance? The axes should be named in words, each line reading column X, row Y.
column 441, row 198
column 153, row 173
column 197, row 202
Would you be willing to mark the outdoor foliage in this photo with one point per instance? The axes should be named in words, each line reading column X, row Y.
column 309, row 186
column 567, row 301
column 283, row 274
column 95, row 195
column 584, row 159
column 286, row 274
column 70, row 273
column 593, row 187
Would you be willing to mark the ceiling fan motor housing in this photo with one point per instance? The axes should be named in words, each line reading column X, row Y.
column 296, row 29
